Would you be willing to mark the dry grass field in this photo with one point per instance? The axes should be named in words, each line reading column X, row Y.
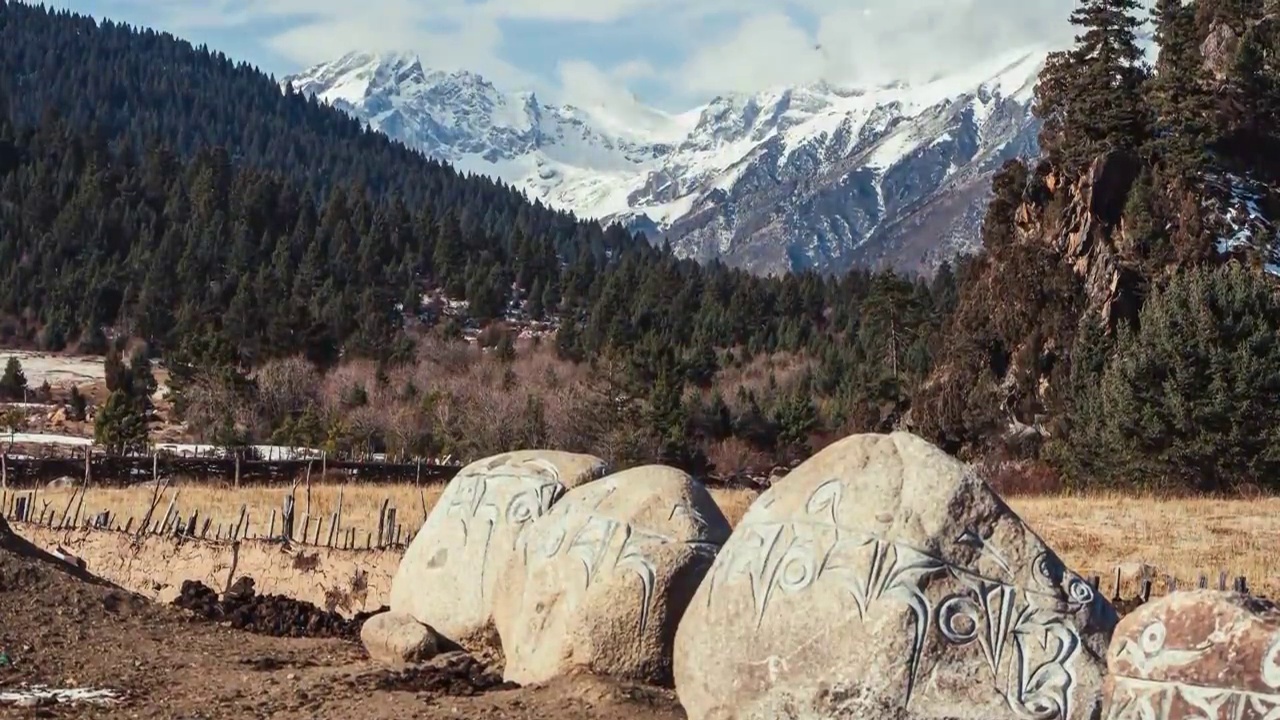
column 1095, row 534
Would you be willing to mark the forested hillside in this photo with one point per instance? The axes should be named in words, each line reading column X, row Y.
column 152, row 190
column 308, row 282
column 1099, row 328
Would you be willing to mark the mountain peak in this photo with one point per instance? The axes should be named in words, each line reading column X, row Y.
column 815, row 175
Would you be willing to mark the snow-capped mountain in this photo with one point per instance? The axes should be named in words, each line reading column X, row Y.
column 814, row 176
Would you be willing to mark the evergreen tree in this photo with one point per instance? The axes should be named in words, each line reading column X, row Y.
column 1180, row 97
column 1089, row 98
column 76, row 405
column 13, row 384
column 1192, row 397
column 120, row 426
column 141, row 379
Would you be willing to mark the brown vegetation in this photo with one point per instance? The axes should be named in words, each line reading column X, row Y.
column 469, row 401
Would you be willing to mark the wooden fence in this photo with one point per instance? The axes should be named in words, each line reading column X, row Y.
column 123, row 470
column 22, row 506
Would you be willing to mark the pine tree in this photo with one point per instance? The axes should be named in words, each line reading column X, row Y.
column 76, row 405
column 1090, row 97
column 13, row 384
column 1180, row 98
column 142, row 380
column 121, row 425
column 1192, row 397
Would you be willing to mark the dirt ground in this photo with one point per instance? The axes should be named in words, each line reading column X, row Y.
column 61, row 628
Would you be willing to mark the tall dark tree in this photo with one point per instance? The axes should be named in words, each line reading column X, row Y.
column 1090, row 96
column 1180, row 97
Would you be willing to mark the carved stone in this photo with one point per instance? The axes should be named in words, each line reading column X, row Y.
column 448, row 576
column 881, row 579
column 1202, row 655
column 600, row 583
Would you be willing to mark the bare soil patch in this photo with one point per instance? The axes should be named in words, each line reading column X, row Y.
column 62, row 629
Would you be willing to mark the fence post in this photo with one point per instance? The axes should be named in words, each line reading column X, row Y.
column 382, row 520
column 286, row 518
column 337, row 517
column 1116, row 594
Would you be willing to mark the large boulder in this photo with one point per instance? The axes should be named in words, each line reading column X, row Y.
column 1196, row 655
column 600, row 583
column 448, row 576
column 881, row 579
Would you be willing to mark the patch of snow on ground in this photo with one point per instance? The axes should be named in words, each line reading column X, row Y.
column 46, row 439
column 43, row 693
column 57, row 370
column 1246, row 222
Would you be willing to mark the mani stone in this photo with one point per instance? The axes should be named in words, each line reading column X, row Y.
column 1202, row 654
column 449, row 575
column 396, row 638
column 599, row 583
column 881, row 579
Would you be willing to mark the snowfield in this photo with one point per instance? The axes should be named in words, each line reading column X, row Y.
column 57, row 370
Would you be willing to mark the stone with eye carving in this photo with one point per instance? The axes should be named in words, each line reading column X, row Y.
column 1195, row 655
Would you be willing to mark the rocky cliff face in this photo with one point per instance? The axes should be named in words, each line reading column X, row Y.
column 807, row 177
column 1084, row 234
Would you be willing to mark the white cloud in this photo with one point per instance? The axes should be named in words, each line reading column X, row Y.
column 695, row 48
column 871, row 41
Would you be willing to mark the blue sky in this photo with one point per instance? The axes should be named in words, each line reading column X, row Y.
column 669, row 53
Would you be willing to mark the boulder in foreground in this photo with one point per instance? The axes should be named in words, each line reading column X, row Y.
column 600, row 583
column 1200, row 654
column 449, row 574
column 882, row 580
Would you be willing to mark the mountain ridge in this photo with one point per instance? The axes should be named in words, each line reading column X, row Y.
column 814, row 176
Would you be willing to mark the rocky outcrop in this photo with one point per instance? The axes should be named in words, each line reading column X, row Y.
column 600, row 583
column 1193, row 655
column 882, row 580
column 1081, row 223
column 448, row 578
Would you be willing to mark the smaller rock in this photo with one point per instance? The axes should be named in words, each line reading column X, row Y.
column 1175, row 657
column 396, row 638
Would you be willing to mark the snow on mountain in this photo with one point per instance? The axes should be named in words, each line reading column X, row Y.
column 813, row 176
